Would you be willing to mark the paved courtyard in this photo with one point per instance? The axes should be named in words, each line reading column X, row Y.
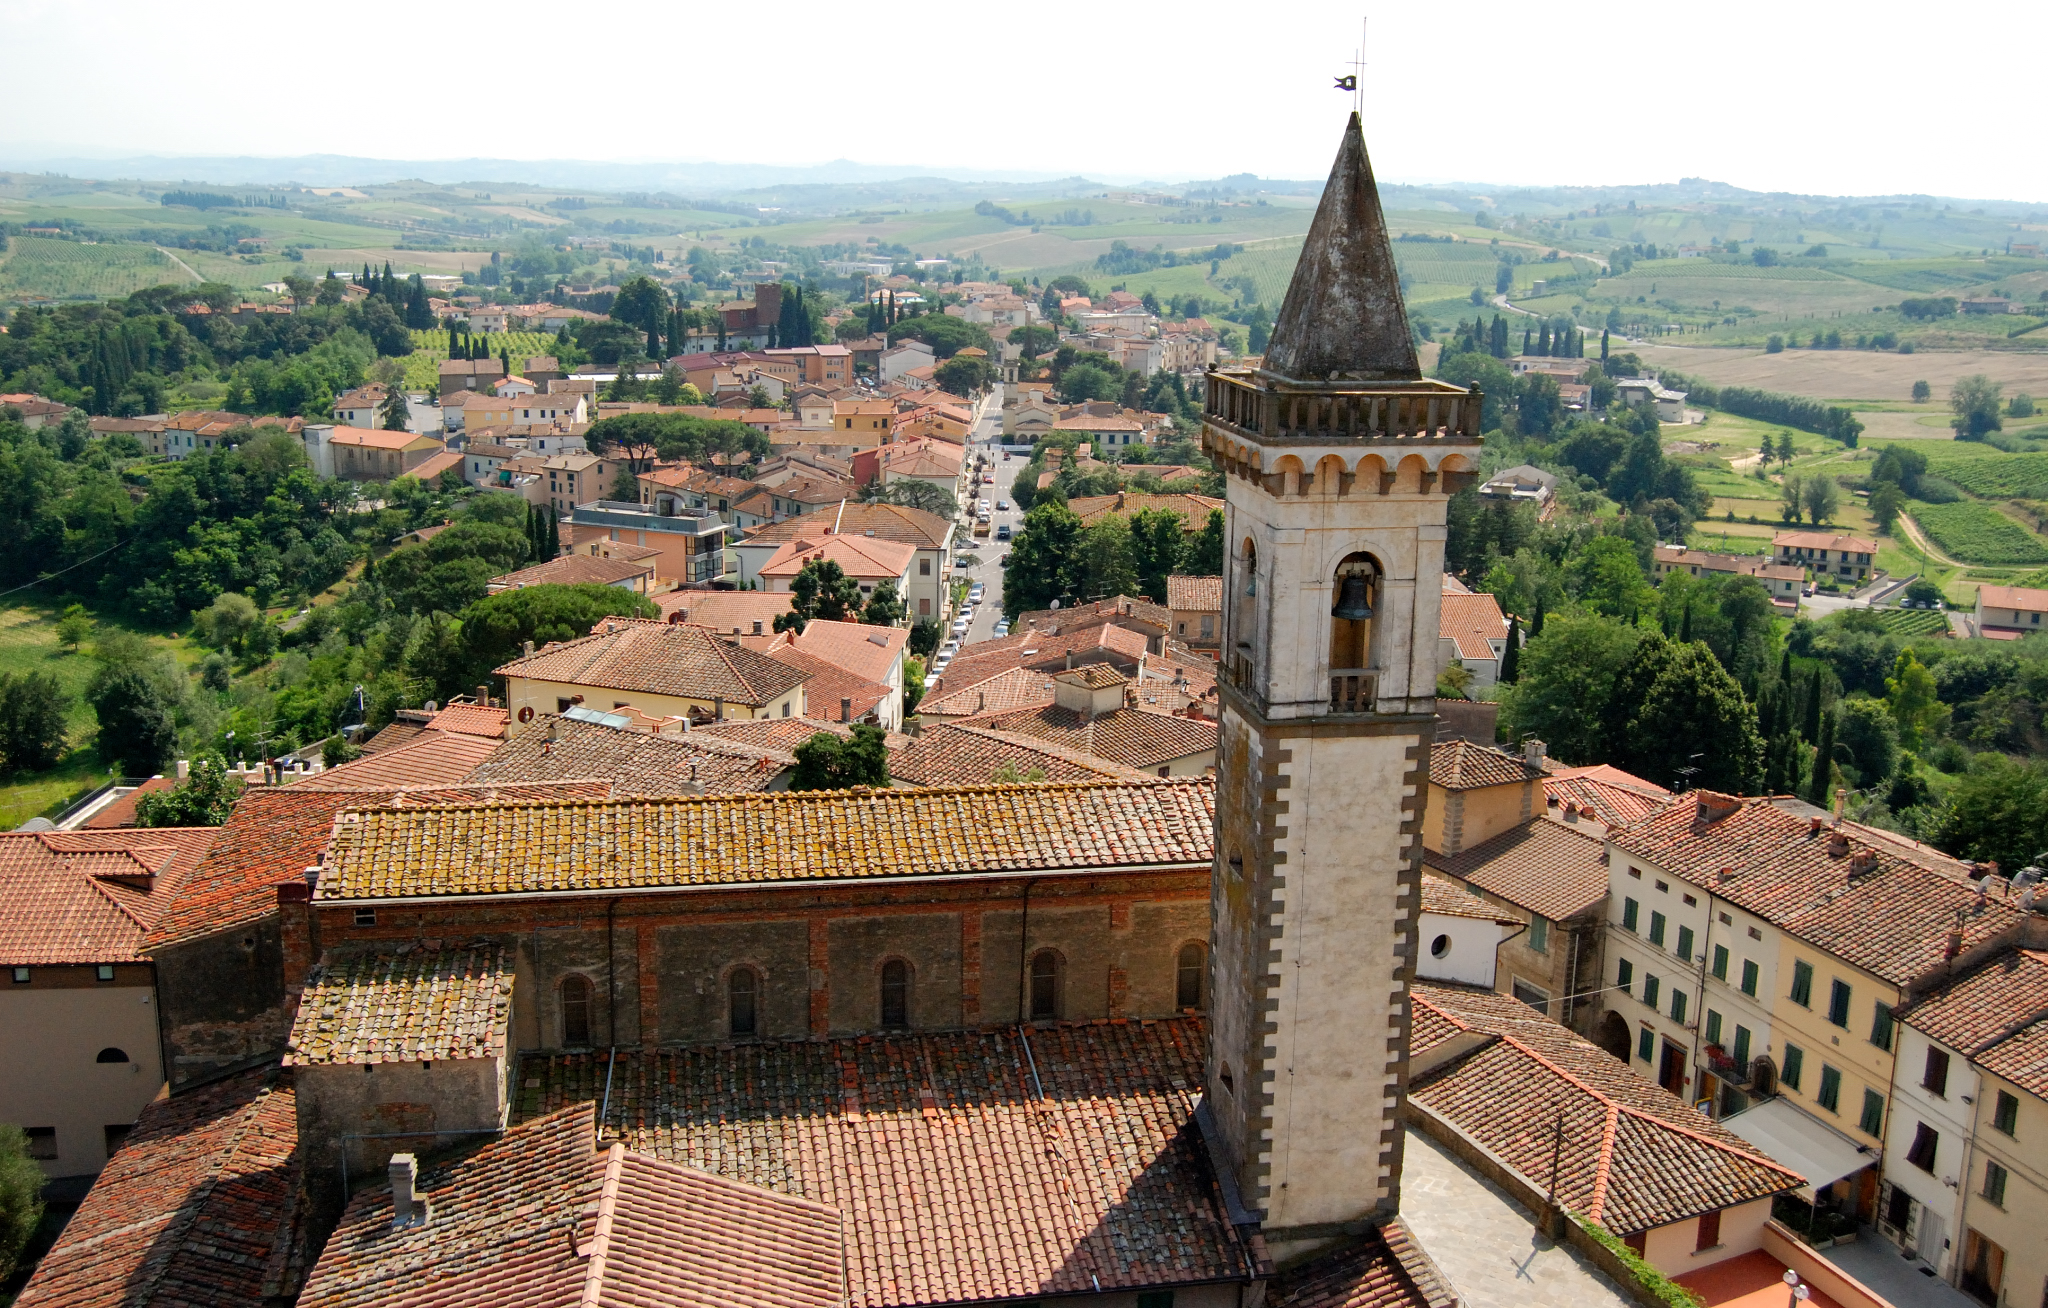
column 1487, row 1244
column 1875, row 1261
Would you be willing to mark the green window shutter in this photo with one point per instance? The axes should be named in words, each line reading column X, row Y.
column 1539, row 934
column 2006, row 1116
column 1994, row 1183
column 1872, row 1120
column 1802, row 984
column 1656, row 928
column 1646, row 1044
column 1795, row 1064
column 1881, row 1024
column 1749, row 978
column 1685, row 943
column 1838, row 1003
column 1741, row 1050
column 1678, row 998
column 1830, row 1096
column 1625, row 976
column 1713, row 1027
column 1720, row 962
column 1652, row 988
column 1629, row 908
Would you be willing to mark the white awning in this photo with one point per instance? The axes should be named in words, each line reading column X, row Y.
column 1805, row 1144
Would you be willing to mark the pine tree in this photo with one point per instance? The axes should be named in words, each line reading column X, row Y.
column 1817, row 786
column 1511, row 659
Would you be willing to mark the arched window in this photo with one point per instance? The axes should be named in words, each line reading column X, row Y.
column 1045, row 986
column 1355, row 598
column 1243, row 597
column 896, row 995
column 742, row 995
column 575, row 1011
column 112, row 1055
column 1190, row 971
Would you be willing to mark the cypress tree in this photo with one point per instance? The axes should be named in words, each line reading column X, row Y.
column 1603, row 345
column 1511, row 660
column 1823, row 764
column 1685, row 626
column 1525, row 341
column 1536, row 623
column 1813, row 714
column 1543, row 340
column 551, row 540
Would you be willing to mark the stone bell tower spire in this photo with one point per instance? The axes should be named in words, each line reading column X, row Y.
column 1339, row 458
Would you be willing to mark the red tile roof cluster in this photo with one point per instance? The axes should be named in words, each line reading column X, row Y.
column 1551, row 869
column 2021, row 1058
column 471, row 720
column 782, row 735
column 541, row 1216
column 121, row 812
column 888, row 521
column 574, row 570
column 1871, row 901
column 1134, row 737
column 866, row 651
column 1044, row 651
column 1996, row 1013
column 1116, row 608
column 1470, row 621
column 1195, row 594
column 954, row 754
column 1615, row 797
column 780, row 837
column 1462, row 765
column 1386, row 1268
column 662, row 659
column 725, row 610
column 1194, row 510
column 965, row 1165
column 832, row 691
column 1634, row 1155
column 1447, row 898
column 858, row 557
column 275, row 834
column 199, row 1208
column 70, row 897
column 633, row 762
column 414, row 1003
column 1011, row 688
column 432, row 758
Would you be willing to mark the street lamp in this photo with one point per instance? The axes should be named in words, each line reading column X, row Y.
column 1800, row 1294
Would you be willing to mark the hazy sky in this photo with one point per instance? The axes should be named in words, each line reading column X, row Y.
column 1829, row 98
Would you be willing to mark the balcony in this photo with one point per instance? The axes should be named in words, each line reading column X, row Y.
column 1728, row 1069
column 1354, row 690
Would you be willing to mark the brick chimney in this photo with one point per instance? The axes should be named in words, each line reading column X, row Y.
column 407, row 1210
column 298, row 934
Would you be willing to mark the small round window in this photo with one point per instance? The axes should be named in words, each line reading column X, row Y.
column 1439, row 946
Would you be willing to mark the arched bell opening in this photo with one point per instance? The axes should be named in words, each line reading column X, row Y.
column 1356, row 585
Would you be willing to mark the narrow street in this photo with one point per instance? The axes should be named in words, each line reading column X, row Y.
column 987, row 550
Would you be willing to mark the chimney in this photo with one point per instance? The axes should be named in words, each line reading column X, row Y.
column 757, row 627
column 1533, row 751
column 1813, row 826
column 1838, row 844
column 1070, row 660
column 718, row 712
column 297, row 932
column 483, row 696
column 527, row 647
column 1841, row 802
column 406, row 1209
column 846, row 708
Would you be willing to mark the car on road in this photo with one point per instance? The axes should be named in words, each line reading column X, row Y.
column 987, row 478
column 1002, row 628
column 982, row 506
column 962, row 561
column 1003, row 533
column 948, row 650
column 961, row 624
column 1002, row 506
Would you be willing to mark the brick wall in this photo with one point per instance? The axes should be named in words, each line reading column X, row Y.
column 659, row 965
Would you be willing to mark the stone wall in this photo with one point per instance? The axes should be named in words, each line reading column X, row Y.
column 222, row 1001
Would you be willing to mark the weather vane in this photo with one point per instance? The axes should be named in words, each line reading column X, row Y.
column 1353, row 81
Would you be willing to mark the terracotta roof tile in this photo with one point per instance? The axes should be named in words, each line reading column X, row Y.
column 1634, row 1156
column 666, row 659
column 273, row 835
column 1616, row 797
column 868, row 652
column 90, row 896
column 857, row 556
column 833, row 688
column 574, row 570
column 197, row 1209
column 1097, row 612
column 953, row 753
column 959, row 1174
column 1094, row 676
column 412, row 1004
column 1550, row 869
column 1194, row 509
column 781, row 837
column 1385, row 1269
column 888, row 522
column 471, row 720
column 1462, row 765
column 725, row 610
column 121, row 812
column 1134, row 737
column 782, row 735
column 391, row 735
column 1471, row 621
column 1044, row 652
column 1447, row 898
column 1871, row 900
column 433, row 758
column 1985, row 1004
column 2021, row 1058
column 1197, row 594
column 1009, row 689
column 634, row 762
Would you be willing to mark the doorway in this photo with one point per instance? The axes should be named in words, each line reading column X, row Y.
column 1671, row 1069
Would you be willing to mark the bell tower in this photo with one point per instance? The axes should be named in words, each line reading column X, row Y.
column 1339, row 458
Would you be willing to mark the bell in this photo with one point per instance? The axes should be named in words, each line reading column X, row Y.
column 1351, row 602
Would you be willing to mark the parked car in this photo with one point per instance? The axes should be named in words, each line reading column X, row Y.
column 975, row 592
column 1002, row 628
column 960, row 626
column 987, row 478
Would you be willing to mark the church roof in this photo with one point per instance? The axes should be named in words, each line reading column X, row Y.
column 966, row 1165
column 1343, row 315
